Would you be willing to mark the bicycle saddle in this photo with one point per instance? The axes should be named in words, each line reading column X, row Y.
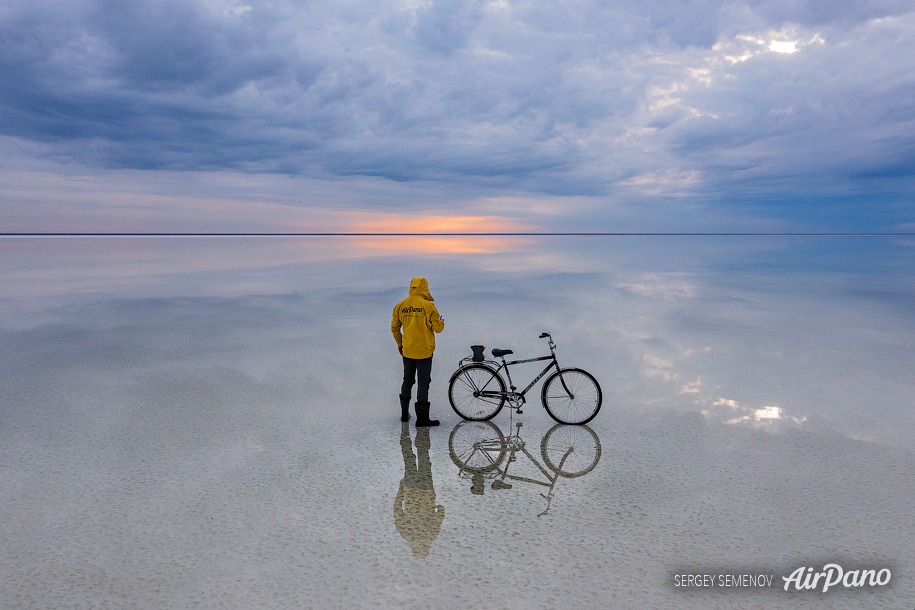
column 498, row 353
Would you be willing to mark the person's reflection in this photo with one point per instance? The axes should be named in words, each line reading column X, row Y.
column 416, row 515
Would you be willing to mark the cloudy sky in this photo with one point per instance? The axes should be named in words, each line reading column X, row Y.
column 457, row 115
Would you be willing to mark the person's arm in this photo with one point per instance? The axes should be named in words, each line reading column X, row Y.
column 436, row 321
column 395, row 330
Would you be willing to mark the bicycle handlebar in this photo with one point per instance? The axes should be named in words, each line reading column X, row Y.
column 544, row 335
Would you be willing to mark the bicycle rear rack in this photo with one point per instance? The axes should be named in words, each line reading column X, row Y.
column 478, row 356
column 470, row 360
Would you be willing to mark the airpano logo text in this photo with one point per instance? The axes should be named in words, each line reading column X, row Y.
column 831, row 578
column 412, row 310
column 833, row 575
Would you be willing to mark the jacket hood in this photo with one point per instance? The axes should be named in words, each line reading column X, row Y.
column 419, row 287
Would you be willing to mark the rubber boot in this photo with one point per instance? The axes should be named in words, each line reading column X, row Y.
column 422, row 415
column 404, row 408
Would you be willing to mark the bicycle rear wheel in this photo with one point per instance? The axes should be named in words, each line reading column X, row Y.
column 476, row 392
column 571, row 396
column 476, row 446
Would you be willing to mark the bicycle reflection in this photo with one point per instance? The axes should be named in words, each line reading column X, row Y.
column 417, row 517
column 482, row 453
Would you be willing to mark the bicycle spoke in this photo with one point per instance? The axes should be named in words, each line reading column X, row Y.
column 476, row 392
column 476, row 446
column 571, row 396
column 571, row 451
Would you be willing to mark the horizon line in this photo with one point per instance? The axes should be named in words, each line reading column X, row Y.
column 456, row 234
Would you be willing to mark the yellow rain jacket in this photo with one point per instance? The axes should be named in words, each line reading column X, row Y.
column 419, row 320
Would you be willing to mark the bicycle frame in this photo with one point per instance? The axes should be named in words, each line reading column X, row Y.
column 521, row 446
column 516, row 444
column 478, row 390
column 553, row 364
column 513, row 395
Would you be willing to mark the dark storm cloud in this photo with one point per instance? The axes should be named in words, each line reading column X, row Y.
column 559, row 98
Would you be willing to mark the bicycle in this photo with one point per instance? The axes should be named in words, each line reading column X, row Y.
column 477, row 390
column 479, row 450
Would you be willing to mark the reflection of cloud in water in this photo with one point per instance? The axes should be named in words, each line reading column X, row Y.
column 654, row 367
column 693, row 387
column 731, row 412
column 668, row 287
column 217, row 423
column 649, row 317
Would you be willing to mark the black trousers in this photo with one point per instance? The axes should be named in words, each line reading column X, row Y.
column 417, row 370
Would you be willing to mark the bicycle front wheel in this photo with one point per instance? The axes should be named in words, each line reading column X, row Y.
column 571, row 396
column 570, row 451
column 476, row 392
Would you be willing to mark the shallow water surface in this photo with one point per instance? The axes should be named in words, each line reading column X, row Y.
column 213, row 422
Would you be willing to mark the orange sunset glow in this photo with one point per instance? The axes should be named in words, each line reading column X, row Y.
column 395, row 223
column 442, row 243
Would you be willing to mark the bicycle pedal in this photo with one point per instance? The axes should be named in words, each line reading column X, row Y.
column 520, row 411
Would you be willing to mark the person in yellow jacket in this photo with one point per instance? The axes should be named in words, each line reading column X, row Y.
column 414, row 322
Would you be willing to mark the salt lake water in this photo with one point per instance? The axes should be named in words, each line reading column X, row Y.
column 213, row 422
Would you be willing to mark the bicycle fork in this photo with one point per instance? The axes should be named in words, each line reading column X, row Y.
column 564, row 386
